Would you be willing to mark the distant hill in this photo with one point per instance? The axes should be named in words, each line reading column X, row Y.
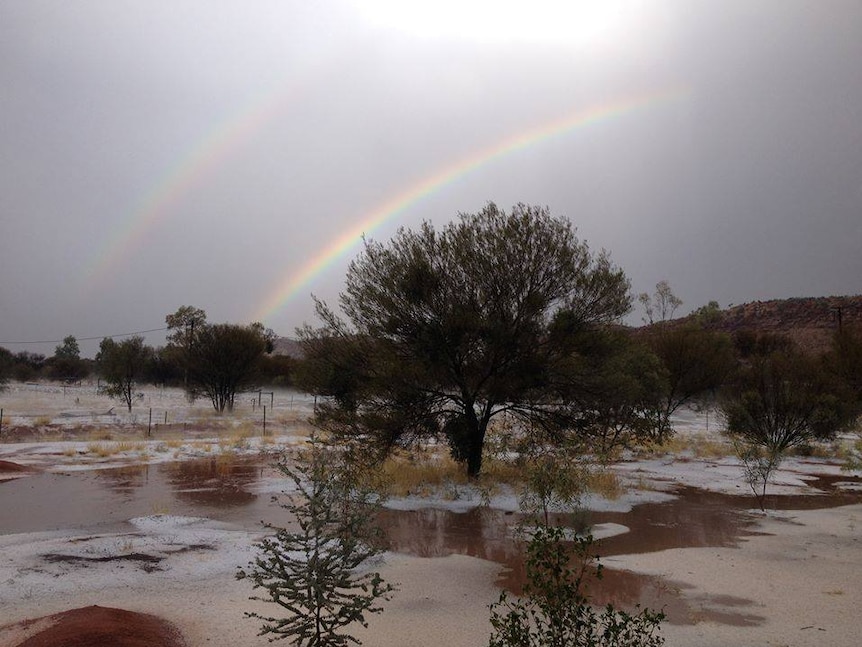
column 809, row 321
column 287, row 346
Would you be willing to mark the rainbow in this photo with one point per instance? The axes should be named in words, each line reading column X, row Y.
column 297, row 280
column 222, row 141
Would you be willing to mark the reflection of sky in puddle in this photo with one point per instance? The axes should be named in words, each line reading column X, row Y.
column 220, row 488
column 225, row 488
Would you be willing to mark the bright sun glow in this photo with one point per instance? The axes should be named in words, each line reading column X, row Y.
column 578, row 23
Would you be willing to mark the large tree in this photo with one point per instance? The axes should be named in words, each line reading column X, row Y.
column 697, row 362
column 844, row 361
column 625, row 402
column 122, row 365
column 183, row 327
column 223, row 360
column 7, row 363
column 781, row 400
column 67, row 363
column 446, row 329
column 785, row 399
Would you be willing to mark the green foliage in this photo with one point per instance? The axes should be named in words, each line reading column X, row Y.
column 555, row 611
column 27, row 365
column 844, row 361
column 623, row 404
column 708, row 314
column 661, row 305
column 777, row 402
column 223, row 360
column 122, row 365
column 7, row 363
column 447, row 329
column 749, row 343
column 69, row 349
column 697, row 362
column 183, row 325
column 758, row 467
column 315, row 573
column 553, row 482
column 784, row 400
column 67, row 363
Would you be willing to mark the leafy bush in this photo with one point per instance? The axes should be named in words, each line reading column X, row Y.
column 555, row 610
column 315, row 573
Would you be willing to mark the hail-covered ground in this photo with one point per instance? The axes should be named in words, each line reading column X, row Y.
column 792, row 580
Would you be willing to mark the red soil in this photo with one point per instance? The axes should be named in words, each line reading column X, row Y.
column 103, row 627
column 9, row 467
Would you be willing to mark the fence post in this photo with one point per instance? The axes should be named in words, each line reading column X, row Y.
column 264, row 420
column 150, row 424
column 1, row 422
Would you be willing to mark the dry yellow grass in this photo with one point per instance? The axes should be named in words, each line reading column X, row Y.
column 435, row 472
column 130, row 446
column 423, row 473
column 102, row 450
column 699, row 445
column 605, row 483
column 160, row 507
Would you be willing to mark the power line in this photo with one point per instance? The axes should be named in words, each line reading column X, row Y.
column 60, row 341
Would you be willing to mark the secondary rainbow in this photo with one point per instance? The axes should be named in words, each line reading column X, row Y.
column 220, row 144
column 297, row 280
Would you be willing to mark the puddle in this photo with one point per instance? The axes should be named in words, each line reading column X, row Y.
column 225, row 488
column 695, row 519
column 220, row 488
column 489, row 535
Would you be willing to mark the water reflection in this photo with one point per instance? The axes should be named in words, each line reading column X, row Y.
column 220, row 488
column 225, row 488
column 694, row 519
column 216, row 482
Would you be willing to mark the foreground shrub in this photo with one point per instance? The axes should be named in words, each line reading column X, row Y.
column 554, row 610
column 316, row 573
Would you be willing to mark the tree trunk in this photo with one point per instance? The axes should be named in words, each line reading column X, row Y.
column 475, row 438
column 465, row 433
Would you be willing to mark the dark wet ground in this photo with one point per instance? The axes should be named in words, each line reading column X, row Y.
column 223, row 488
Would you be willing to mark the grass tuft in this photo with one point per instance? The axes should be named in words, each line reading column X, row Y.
column 605, row 483
column 422, row 473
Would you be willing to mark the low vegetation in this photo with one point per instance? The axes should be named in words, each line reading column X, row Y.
column 317, row 574
column 555, row 609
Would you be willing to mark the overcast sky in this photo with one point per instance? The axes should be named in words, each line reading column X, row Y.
column 209, row 153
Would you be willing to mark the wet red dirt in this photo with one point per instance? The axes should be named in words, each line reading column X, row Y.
column 10, row 468
column 100, row 627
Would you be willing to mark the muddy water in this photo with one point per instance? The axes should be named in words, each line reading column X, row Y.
column 218, row 488
column 225, row 489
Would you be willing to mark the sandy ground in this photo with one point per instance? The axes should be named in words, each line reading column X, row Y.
column 795, row 582
column 798, row 585
column 798, row 582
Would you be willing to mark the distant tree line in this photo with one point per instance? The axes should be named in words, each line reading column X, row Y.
column 498, row 316
column 215, row 361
